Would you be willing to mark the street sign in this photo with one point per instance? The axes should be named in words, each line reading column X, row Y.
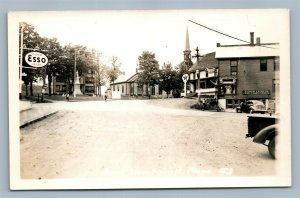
column 185, row 77
column 36, row 59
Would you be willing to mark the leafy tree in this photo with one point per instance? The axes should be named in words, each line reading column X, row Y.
column 169, row 79
column 66, row 70
column 149, row 67
column 114, row 72
column 86, row 61
column 53, row 51
column 100, row 70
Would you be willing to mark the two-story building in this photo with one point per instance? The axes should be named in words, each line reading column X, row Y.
column 248, row 71
column 204, row 76
column 87, row 81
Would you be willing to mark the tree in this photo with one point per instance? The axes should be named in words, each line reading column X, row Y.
column 149, row 67
column 100, row 70
column 53, row 50
column 169, row 79
column 114, row 72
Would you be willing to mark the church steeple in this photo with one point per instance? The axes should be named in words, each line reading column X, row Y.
column 187, row 51
column 187, row 40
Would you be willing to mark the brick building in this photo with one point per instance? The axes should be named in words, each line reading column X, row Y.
column 248, row 71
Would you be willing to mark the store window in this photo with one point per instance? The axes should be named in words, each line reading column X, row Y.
column 229, row 103
column 234, row 67
column 263, row 64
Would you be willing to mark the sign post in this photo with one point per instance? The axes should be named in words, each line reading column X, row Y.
column 185, row 78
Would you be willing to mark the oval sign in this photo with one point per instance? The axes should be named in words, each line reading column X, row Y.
column 185, row 77
column 36, row 59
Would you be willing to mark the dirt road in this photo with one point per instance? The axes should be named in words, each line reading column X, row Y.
column 139, row 138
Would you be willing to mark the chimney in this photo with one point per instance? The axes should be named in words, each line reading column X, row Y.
column 218, row 45
column 251, row 38
column 258, row 41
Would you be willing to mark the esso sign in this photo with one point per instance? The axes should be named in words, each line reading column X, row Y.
column 36, row 59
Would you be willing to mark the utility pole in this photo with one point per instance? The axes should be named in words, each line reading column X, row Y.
column 21, row 60
column 74, row 91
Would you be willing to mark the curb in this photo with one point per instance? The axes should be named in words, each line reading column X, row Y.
column 38, row 119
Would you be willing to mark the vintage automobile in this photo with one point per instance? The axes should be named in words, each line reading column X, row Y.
column 251, row 106
column 264, row 130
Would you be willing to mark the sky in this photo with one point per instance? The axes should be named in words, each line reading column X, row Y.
column 126, row 34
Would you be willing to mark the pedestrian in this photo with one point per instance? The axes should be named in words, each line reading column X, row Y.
column 67, row 97
column 105, row 97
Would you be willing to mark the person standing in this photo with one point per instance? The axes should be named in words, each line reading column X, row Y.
column 67, row 97
column 105, row 97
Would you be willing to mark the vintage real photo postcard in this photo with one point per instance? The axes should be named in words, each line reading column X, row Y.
column 149, row 99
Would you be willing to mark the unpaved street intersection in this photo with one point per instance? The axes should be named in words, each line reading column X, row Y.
column 139, row 138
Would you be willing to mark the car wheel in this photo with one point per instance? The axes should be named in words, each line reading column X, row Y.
column 271, row 147
column 251, row 111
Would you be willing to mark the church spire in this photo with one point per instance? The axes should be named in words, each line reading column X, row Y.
column 187, row 40
column 187, row 51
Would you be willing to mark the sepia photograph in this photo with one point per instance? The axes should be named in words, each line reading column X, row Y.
column 127, row 99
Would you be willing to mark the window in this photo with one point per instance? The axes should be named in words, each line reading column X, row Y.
column 233, row 67
column 276, row 64
column 89, row 80
column 153, row 90
column 57, row 88
column 114, row 89
column 263, row 65
column 89, row 89
column 160, row 91
column 122, row 88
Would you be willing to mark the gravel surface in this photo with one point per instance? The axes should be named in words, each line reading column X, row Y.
column 138, row 139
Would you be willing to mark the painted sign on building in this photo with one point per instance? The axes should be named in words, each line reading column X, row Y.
column 256, row 92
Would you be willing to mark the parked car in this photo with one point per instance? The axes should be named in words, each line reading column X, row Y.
column 251, row 106
column 176, row 93
column 264, row 130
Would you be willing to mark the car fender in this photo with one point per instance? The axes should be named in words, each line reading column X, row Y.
column 264, row 134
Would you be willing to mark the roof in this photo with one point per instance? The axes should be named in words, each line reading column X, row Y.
column 122, row 78
column 133, row 78
column 207, row 61
column 247, row 51
column 125, row 78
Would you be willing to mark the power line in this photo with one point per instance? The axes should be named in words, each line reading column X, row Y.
column 214, row 30
column 219, row 31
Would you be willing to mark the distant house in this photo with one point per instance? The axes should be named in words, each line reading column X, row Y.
column 126, row 85
column 88, row 85
column 248, row 71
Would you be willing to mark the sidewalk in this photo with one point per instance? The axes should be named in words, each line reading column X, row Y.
column 33, row 114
